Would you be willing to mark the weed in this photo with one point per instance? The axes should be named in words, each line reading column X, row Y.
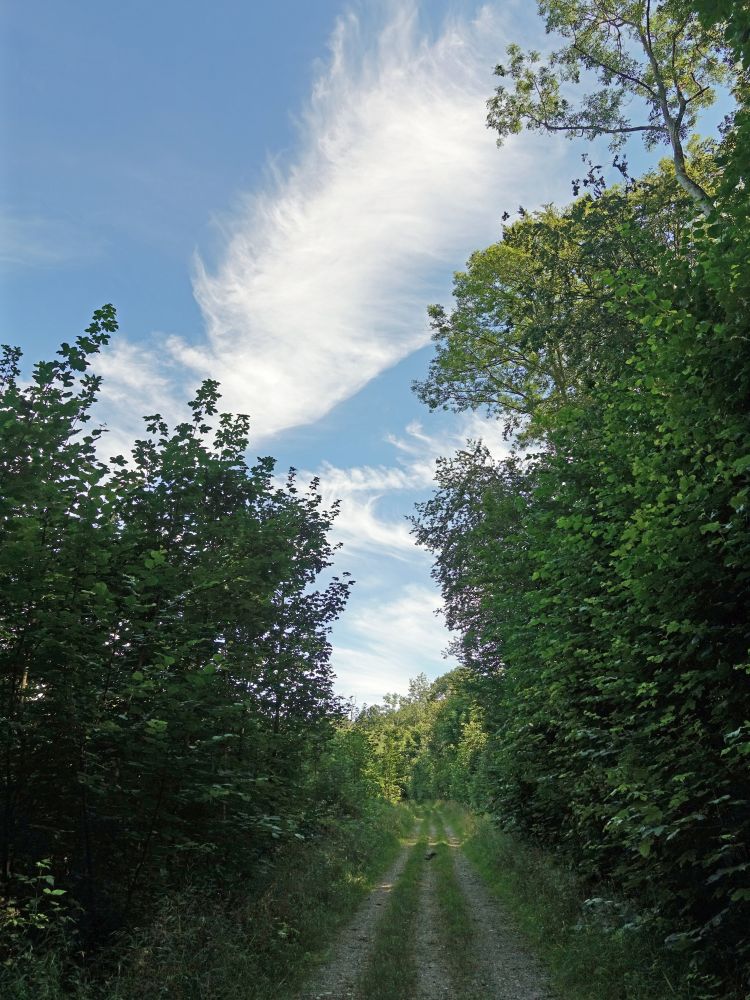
column 590, row 952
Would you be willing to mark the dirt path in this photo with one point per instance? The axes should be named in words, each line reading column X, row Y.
column 506, row 970
column 434, row 977
column 502, row 967
column 337, row 979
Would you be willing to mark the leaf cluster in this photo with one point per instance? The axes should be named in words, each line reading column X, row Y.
column 165, row 686
column 599, row 583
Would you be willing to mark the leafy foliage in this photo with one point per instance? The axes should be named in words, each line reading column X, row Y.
column 531, row 330
column 164, row 678
column 600, row 583
column 659, row 53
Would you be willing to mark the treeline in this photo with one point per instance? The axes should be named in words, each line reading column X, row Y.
column 598, row 576
column 167, row 714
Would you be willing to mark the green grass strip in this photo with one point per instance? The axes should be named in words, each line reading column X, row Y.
column 456, row 926
column 391, row 972
column 586, row 959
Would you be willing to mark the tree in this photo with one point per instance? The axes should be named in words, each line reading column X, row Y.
column 165, row 678
column 606, row 576
column 530, row 332
column 659, row 53
column 734, row 15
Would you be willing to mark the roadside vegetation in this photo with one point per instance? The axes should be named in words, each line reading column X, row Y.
column 265, row 938
column 587, row 936
column 259, row 939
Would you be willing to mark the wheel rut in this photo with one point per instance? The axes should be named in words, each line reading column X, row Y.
column 337, row 980
column 505, row 967
column 500, row 966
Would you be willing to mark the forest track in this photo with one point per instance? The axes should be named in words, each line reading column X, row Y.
column 434, row 981
column 337, row 980
column 500, row 966
column 505, row 969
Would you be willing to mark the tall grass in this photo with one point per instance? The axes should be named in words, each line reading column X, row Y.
column 592, row 952
column 244, row 942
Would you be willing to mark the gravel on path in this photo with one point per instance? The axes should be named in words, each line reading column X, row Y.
column 338, row 978
column 506, row 969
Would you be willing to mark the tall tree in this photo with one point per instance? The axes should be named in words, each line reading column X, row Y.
column 164, row 650
column 530, row 330
column 658, row 53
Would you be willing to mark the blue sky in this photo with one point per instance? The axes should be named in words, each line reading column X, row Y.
column 271, row 195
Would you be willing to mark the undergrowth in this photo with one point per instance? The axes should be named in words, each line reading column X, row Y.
column 589, row 949
column 244, row 942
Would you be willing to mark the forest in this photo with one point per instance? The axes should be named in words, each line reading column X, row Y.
column 188, row 810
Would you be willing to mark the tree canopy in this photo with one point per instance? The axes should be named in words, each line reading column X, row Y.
column 657, row 57
column 164, row 656
column 597, row 578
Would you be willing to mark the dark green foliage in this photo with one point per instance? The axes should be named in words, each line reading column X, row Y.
column 165, row 689
column 734, row 17
column 601, row 585
column 252, row 939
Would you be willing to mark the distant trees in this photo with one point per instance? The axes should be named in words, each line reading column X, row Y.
column 165, row 687
column 426, row 745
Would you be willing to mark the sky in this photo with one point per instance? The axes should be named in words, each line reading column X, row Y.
column 272, row 195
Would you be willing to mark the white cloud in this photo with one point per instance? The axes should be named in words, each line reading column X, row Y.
column 132, row 386
column 389, row 641
column 381, row 642
column 325, row 275
column 361, row 524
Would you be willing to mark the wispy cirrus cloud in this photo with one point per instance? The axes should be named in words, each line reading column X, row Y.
column 388, row 641
column 324, row 274
column 325, row 277
column 364, row 491
column 392, row 629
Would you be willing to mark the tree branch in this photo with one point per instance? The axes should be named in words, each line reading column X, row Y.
column 696, row 192
column 615, row 72
column 599, row 129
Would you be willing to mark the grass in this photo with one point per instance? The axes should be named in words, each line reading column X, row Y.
column 236, row 943
column 456, row 925
column 391, row 970
column 263, row 941
column 588, row 956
